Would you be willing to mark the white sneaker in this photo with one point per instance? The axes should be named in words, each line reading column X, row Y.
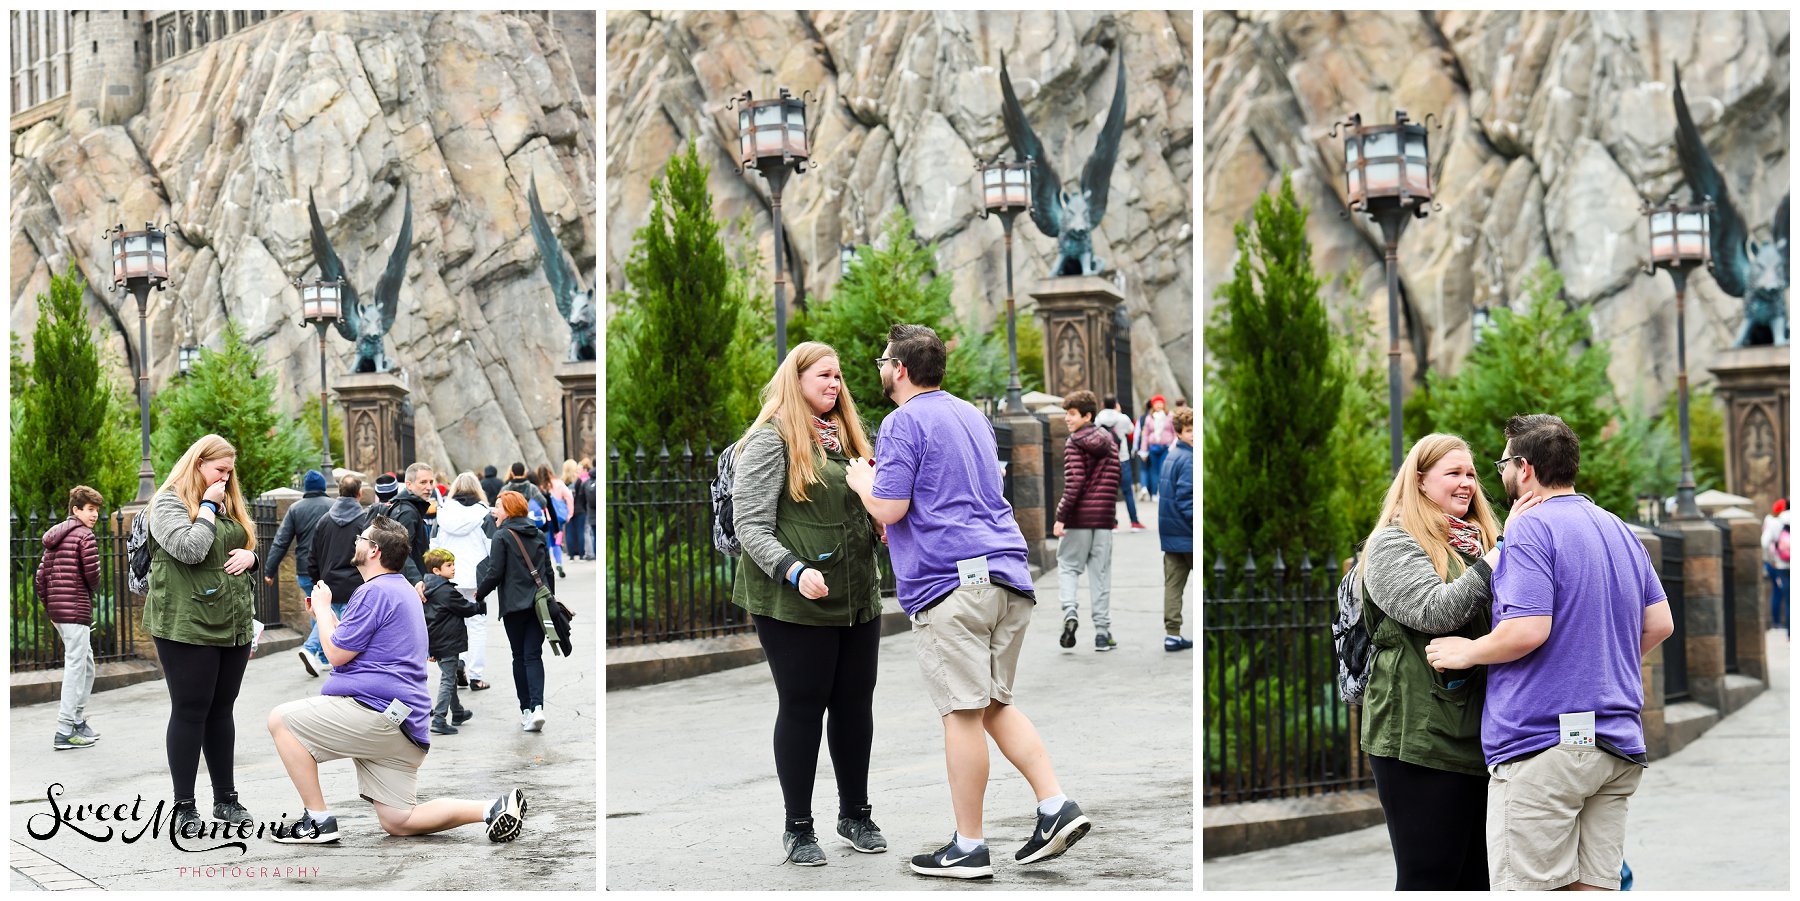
column 525, row 720
column 532, row 720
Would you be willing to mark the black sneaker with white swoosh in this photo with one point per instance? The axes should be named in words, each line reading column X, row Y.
column 1054, row 834
column 948, row 861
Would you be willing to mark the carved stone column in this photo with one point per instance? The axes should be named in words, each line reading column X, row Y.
column 374, row 409
column 1753, row 383
column 1076, row 313
column 579, row 410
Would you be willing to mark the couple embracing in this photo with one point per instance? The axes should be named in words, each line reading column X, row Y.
column 1502, row 716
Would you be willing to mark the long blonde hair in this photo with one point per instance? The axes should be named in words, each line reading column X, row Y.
column 188, row 484
column 804, row 452
column 570, row 472
column 1421, row 517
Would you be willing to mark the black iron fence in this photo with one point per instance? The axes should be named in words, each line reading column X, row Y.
column 1274, row 725
column 35, row 643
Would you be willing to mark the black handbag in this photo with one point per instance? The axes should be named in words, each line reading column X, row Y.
column 553, row 615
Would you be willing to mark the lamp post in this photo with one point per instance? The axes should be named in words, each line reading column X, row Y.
column 1388, row 173
column 772, row 140
column 846, row 258
column 319, row 301
column 186, row 357
column 1006, row 192
column 1480, row 321
column 1681, row 241
column 141, row 262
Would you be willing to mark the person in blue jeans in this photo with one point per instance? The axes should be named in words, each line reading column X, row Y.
column 296, row 531
column 1156, row 433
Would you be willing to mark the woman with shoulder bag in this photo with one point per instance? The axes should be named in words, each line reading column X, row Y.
column 510, row 575
column 1426, row 572
column 813, row 590
column 199, row 611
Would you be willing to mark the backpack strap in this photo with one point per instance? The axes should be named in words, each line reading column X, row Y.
column 528, row 564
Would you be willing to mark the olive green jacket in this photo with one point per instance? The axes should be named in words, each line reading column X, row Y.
column 1413, row 713
column 192, row 599
column 831, row 532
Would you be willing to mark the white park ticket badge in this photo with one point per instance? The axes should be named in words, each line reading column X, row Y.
column 973, row 571
column 1578, row 729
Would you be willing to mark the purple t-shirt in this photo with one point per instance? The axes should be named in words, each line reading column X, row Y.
column 938, row 452
column 1583, row 567
column 385, row 624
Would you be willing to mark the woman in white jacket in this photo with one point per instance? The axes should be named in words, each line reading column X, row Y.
column 464, row 528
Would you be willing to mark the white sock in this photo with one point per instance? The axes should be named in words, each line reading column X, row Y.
column 1049, row 806
column 967, row 845
column 319, row 816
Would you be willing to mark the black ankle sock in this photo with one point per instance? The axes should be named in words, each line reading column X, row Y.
column 855, row 813
column 798, row 826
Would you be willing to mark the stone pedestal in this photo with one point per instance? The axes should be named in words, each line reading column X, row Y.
column 579, row 410
column 376, row 414
column 1703, row 592
column 1750, row 609
column 1753, row 383
column 1030, row 492
column 1076, row 313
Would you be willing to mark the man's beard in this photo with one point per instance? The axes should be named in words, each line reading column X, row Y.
column 887, row 386
column 1511, row 486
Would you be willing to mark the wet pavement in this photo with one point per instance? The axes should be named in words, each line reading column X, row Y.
column 556, row 769
column 1711, row 817
column 691, row 779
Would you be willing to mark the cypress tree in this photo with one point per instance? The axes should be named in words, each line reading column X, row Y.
column 676, row 321
column 1273, row 396
column 63, row 410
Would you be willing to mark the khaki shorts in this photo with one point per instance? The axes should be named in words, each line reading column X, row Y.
column 333, row 727
column 968, row 646
column 1558, row 817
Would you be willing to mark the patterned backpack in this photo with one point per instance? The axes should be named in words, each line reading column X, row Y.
column 723, row 527
column 1350, row 639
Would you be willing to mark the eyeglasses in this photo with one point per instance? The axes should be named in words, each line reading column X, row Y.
column 883, row 361
column 365, row 538
column 1500, row 464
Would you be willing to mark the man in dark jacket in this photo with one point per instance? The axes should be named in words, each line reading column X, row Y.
column 333, row 546
column 445, row 610
column 409, row 509
column 1085, row 518
column 491, row 483
column 1175, row 526
column 297, row 530
column 66, row 581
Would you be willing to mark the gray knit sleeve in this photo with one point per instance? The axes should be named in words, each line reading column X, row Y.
column 187, row 540
column 759, row 475
column 1403, row 585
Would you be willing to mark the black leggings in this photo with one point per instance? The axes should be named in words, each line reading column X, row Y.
column 1437, row 822
column 203, row 685
column 819, row 669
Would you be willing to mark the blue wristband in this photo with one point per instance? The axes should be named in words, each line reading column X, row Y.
column 214, row 507
column 795, row 578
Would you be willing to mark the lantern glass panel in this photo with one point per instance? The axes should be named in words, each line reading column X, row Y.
column 1384, row 178
column 137, row 265
column 137, row 243
column 1382, row 143
column 159, row 243
column 328, row 307
column 991, row 176
column 1356, row 186
column 1662, row 247
column 766, row 114
column 1418, row 177
column 796, row 116
column 308, row 294
column 330, row 291
column 1688, row 222
column 1415, row 147
column 1662, row 221
column 1351, row 153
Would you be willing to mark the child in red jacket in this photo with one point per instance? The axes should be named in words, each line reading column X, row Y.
column 66, row 580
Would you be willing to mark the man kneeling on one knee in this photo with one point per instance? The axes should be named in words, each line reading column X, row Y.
column 373, row 707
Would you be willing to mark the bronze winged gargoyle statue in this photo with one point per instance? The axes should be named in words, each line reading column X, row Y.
column 365, row 324
column 1755, row 271
column 574, row 303
column 1070, row 218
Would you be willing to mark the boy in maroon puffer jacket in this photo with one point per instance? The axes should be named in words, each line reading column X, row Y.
column 66, row 580
column 1085, row 518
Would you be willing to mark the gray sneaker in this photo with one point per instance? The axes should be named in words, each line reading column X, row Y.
column 1103, row 641
column 66, row 740
column 861, row 833
column 86, row 731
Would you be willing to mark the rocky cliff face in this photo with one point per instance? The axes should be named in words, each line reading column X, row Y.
column 907, row 102
column 463, row 108
column 1556, row 126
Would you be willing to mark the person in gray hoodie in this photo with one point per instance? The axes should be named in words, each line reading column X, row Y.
column 334, row 545
column 297, row 531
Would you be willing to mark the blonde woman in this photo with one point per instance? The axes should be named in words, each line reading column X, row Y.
column 1426, row 571
column 465, row 530
column 199, row 609
column 809, row 581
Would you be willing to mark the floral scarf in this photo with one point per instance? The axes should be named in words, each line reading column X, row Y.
column 1465, row 536
column 828, row 434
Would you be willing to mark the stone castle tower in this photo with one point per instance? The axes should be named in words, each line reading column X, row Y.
column 107, row 59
